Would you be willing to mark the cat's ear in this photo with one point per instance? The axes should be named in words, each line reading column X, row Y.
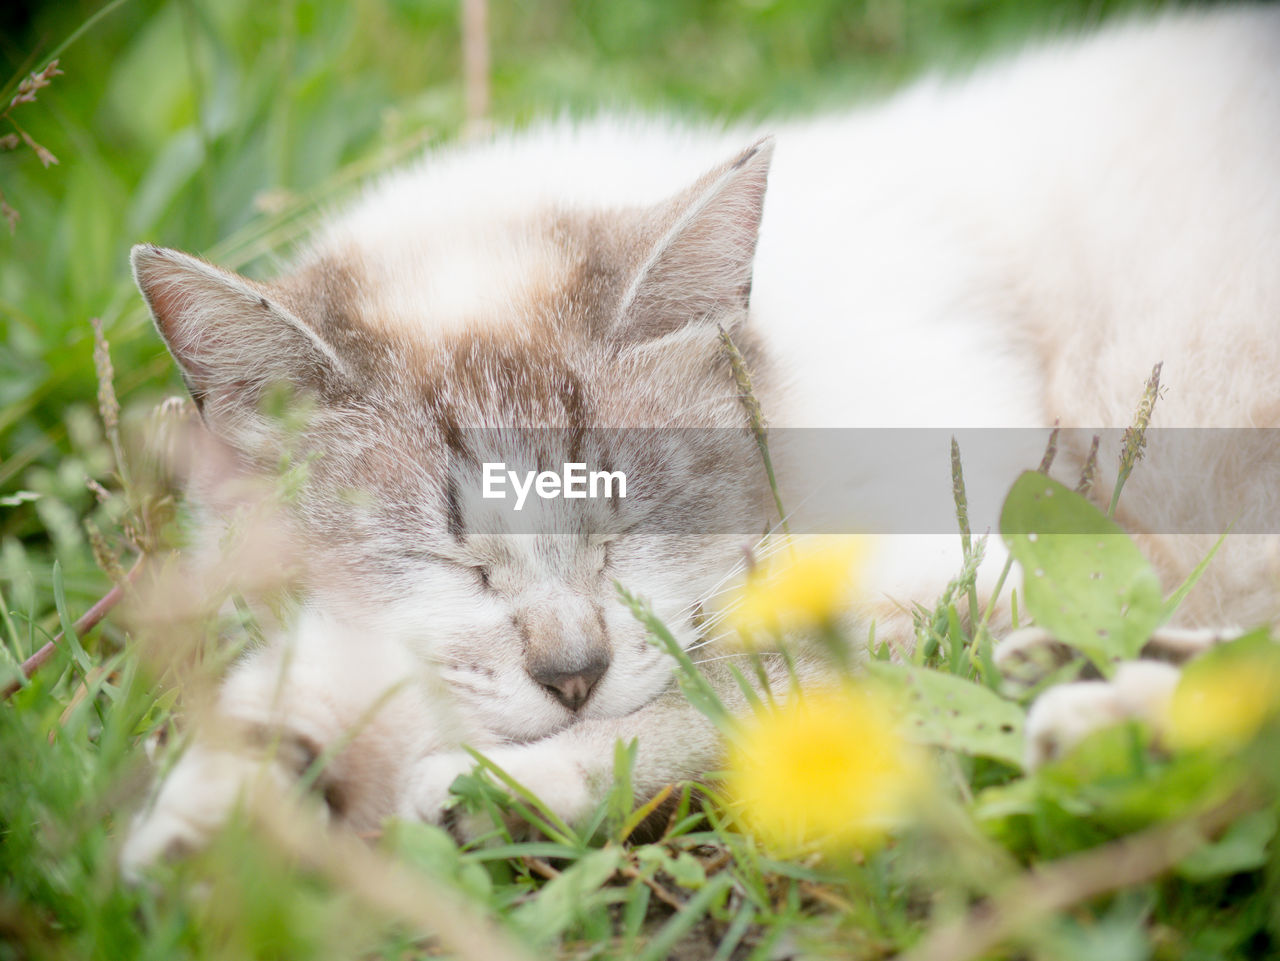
column 233, row 341
column 700, row 267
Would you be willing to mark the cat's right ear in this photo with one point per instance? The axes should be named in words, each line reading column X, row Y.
column 232, row 340
column 699, row 269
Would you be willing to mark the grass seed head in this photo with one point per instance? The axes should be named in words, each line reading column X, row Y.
column 1135, row 436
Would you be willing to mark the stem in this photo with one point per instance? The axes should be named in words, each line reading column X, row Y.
column 475, row 63
column 966, row 536
column 995, row 593
column 387, row 886
column 7, row 91
column 755, row 415
column 1090, row 468
column 1135, row 436
column 196, row 79
column 1050, row 452
column 87, row 622
column 1041, row 892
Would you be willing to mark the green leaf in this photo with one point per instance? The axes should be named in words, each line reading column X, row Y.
column 950, row 712
column 621, row 798
column 1118, row 935
column 533, row 809
column 683, row 921
column 955, row 641
column 431, row 849
column 524, row 849
column 687, row 871
column 160, row 708
column 749, row 692
column 68, row 624
column 425, row 846
column 1242, row 848
column 1175, row 599
column 1006, row 800
column 1084, row 580
column 561, row 900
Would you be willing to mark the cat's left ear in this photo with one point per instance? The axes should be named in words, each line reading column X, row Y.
column 234, row 341
column 699, row 270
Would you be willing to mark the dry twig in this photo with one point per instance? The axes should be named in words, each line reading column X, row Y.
column 1090, row 469
column 87, row 622
column 475, row 63
column 387, row 886
column 26, row 93
column 1043, row 891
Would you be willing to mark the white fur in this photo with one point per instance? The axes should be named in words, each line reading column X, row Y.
column 1064, row 715
column 997, row 251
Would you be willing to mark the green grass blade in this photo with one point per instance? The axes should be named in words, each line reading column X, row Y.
column 545, row 820
column 68, row 625
column 1174, row 600
column 683, row 922
column 692, row 681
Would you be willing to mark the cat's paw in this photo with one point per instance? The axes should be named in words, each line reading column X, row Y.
column 426, row 793
column 193, row 803
column 1064, row 715
column 1177, row 645
column 546, row 771
column 1030, row 654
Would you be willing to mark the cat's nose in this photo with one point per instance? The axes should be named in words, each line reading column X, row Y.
column 572, row 687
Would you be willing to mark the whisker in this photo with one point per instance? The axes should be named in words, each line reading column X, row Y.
column 707, row 642
column 721, row 657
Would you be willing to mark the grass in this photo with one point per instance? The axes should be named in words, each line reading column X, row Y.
column 224, row 128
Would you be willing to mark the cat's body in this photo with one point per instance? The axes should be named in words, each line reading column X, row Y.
column 1005, row 251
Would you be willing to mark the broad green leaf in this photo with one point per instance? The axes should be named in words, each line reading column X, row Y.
column 687, row 871
column 430, row 849
column 1006, row 800
column 1242, row 848
column 1113, row 777
column 1119, row 934
column 947, row 711
column 560, row 901
column 1084, row 580
column 423, row 845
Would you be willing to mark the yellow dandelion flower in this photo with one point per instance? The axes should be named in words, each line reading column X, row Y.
column 1225, row 702
column 798, row 589
column 829, row 769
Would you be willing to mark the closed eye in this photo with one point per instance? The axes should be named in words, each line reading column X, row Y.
column 421, row 554
column 482, row 572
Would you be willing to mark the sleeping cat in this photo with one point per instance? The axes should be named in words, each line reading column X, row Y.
column 1013, row 249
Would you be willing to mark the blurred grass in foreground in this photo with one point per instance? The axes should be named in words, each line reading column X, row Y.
column 221, row 127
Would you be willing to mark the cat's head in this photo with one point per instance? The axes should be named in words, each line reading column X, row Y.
column 607, row 336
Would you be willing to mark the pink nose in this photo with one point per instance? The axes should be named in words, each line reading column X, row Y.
column 572, row 688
